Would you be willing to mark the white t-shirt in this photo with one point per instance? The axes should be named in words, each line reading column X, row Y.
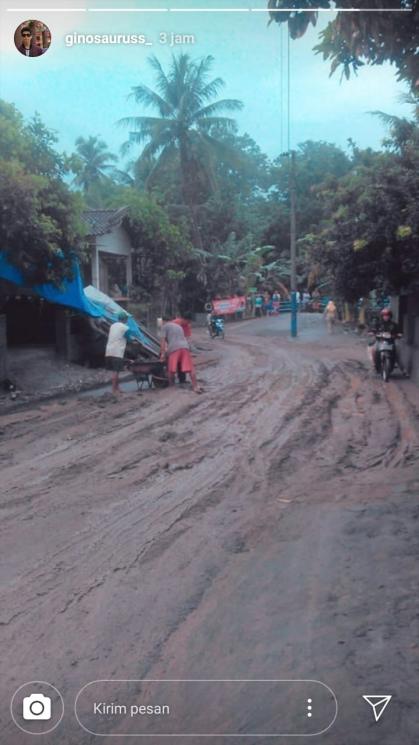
column 117, row 341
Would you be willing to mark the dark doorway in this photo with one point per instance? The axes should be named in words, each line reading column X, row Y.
column 29, row 320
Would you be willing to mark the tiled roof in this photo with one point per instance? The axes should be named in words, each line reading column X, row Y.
column 99, row 222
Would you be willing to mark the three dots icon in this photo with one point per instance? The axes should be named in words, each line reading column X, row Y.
column 309, row 707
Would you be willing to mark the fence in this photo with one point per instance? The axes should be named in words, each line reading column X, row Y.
column 285, row 306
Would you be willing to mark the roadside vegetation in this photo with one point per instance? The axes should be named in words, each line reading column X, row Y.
column 352, row 39
column 208, row 211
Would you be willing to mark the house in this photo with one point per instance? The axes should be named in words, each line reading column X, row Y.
column 41, row 320
column 110, row 265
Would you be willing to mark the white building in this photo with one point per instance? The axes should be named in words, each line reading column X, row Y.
column 110, row 267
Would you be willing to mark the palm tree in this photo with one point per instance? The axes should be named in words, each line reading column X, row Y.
column 402, row 131
column 189, row 124
column 95, row 162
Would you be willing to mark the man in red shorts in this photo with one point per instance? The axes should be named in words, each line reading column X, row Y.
column 184, row 320
column 174, row 344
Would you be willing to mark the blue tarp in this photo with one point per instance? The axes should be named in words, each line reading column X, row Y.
column 71, row 294
column 110, row 309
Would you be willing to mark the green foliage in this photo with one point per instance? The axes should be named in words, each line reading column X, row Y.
column 40, row 225
column 404, row 231
column 162, row 251
column 30, row 144
column 354, row 39
column 369, row 234
column 183, row 135
column 208, row 213
column 318, row 167
column 92, row 164
column 360, row 244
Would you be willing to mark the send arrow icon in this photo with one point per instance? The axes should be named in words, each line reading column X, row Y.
column 379, row 704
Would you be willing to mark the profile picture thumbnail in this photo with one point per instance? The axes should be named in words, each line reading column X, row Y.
column 32, row 38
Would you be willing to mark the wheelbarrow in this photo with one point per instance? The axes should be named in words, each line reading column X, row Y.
column 152, row 373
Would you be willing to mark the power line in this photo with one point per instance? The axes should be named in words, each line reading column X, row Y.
column 281, row 93
column 289, row 92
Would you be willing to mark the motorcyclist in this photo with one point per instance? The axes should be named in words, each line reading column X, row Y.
column 212, row 318
column 385, row 324
column 210, row 321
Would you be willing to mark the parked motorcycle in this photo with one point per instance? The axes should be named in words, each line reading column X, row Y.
column 216, row 328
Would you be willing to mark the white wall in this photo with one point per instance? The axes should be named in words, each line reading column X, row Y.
column 117, row 243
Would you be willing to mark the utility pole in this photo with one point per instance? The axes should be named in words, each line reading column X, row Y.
column 293, row 252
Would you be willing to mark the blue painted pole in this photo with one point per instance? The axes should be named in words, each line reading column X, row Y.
column 294, row 314
column 293, row 251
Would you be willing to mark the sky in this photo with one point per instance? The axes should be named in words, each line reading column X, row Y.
column 84, row 89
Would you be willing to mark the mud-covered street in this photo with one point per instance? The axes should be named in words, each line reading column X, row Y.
column 268, row 528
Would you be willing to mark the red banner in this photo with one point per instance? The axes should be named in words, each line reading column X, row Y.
column 229, row 305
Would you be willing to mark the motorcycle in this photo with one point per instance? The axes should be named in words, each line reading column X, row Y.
column 216, row 328
column 385, row 354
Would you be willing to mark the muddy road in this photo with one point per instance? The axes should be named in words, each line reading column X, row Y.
column 266, row 529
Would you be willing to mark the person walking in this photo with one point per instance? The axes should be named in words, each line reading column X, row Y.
column 276, row 300
column 258, row 305
column 266, row 303
column 330, row 315
column 119, row 334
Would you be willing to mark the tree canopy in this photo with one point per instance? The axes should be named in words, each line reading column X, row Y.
column 184, row 134
column 219, row 223
column 353, row 39
column 40, row 225
column 369, row 233
column 93, row 163
column 162, row 251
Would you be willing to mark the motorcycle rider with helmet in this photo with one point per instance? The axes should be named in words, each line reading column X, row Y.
column 385, row 324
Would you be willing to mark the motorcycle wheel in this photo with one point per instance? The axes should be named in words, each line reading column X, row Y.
column 386, row 369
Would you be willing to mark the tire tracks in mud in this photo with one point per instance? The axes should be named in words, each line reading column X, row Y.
column 193, row 509
column 303, row 429
column 182, row 487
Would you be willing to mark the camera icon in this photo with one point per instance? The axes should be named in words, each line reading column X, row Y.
column 36, row 706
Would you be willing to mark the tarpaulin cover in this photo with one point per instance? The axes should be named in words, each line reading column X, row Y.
column 110, row 309
column 71, row 294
